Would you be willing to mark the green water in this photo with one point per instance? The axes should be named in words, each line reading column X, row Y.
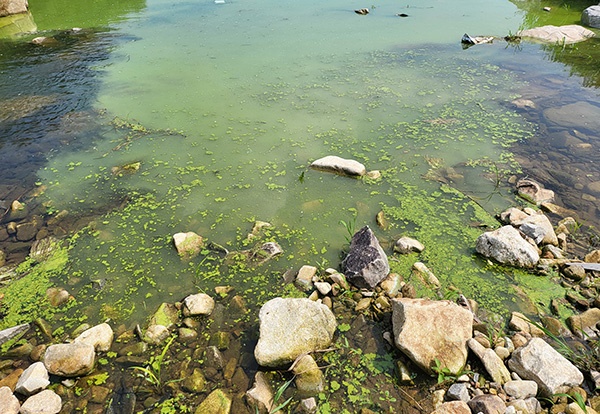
column 228, row 104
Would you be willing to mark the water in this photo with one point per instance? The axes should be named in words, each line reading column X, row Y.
column 225, row 106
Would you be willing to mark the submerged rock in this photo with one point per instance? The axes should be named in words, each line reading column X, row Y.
column 188, row 244
column 506, row 246
column 432, row 332
column 217, row 402
column 291, row 327
column 339, row 165
column 366, row 263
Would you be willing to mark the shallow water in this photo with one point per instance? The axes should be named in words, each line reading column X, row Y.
column 225, row 106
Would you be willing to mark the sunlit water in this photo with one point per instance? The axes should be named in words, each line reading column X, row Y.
column 227, row 105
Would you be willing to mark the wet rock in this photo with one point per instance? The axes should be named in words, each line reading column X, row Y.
column 17, row 211
column 194, row 382
column 427, row 331
column 260, row 396
column 587, row 116
column 217, row 402
column 57, row 296
column 568, row 34
column 100, row 337
column 70, row 360
column 214, row 358
column 156, row 334
column 522, row 103
column 534, row 192
column 26, row 231
column 307, row 406
column 591, row 16
column 539, row 362
column 520, row 323
column 187, row 334
column 2, row 255
column 309, row 378
column 304, row 279
column 8, row 402
column 268, row 251
column 135, row 349
column 291, row 327
column 366, row 263
column 166, row 315
column 11, row 379
column 339, row 165
column 506, row 246
column 574, row 272
column 405, row 245
column 491, row 361
column 519, row 389
column 34, row 379
column 392, row 284
column 188, row 244
column 585, row 324
column 10, row 333
column 458, row 392
column 487, row 404
column 220, row 340
column 47, row 402
column 453, row 407
column 426, row 275
column 198, row 304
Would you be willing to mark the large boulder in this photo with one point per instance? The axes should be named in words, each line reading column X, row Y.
column 591, row 16
column 99, row 336
column 537, row 361
column 70, row 360
column 366, row 263
column 8, row 7
column 506, row 246
column 291, row 327
column 568, row 34
column 432, row 332
column 338, row 165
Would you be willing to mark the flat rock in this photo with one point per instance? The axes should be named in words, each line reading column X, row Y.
column 8, row 402
column 99, row 336
column 291, row 327
column 70, row 360
column 537, row 361
column 453, row 407
column 427, row 331
column 46, row 402
column 34, row 379
column 591, row 17
column 198, row 304
column 338, row 165
column 521, row 389
column 506, row 246
column 366, row 263
column 568, row 34
column 188, row 244
column 217, row 402
column 575, row 115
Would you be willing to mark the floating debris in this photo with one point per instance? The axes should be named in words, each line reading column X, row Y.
column 362, row 11
column 477, row 40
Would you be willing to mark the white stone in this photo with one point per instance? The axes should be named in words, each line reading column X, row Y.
column 70, row 360
column 100, row 337
column 339, row 165
column 34, row 379
column 568, row 34
column 8, row 402
column 260, row 396
column 46, row 402
column 405, row 245
column 521, row 389
column 305, row 277
column 198, row 304
column 506, row 246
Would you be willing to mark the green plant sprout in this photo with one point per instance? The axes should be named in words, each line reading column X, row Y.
column 151, row 372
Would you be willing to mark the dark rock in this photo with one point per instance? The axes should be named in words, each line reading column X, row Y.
column 366, row 264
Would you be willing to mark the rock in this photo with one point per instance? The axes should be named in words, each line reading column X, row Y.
column 453, row 407
column 57, row 296
column 539, row 228
column 506, row 246
column 8, row 402
column 587, row 116
column 487, row 404
column 405, row 245
column 520, row 323
column 362, row 12
column 100, row 337
column 27, row 231
column 260, row 396
column 584, row 325
column 591, row 17
column 526, row 406
column 70, row 360
column 187, row 334
column 194, row 382
column 539, row 362
column 392, row 284
column 34, row 379
column 339, row 165
column 592, row 257
column 519, row 389
column 309, row 378
column 533, row 192
column 166, row 315
column 10, row 333
column 426, row 275
column 307, row 406
column 323, row 287
column 568, row 34
column 429, row 331
column 214, row 358
column 574, row 272
column 198, row 304
column 11, row 379
column 46, row 402
column 267, row 251
column 17, row 211
column 458, row 392
column 491, row 361
column 304, row 279
column 217, row 402
column 155, row 334
column 188, row 244
column 366, row 263
column 291, row 327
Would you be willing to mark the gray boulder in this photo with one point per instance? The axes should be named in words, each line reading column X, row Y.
column 338, row 165
column 8, row 402
column 537, row 361
column 47, row 402
column 366, row 263
column 431, row 332
column 99, row 336
column 34, row 379
column 291, row 327
column 506, row 246
column 591, row 17
column 70, row 360
column 568, row 34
